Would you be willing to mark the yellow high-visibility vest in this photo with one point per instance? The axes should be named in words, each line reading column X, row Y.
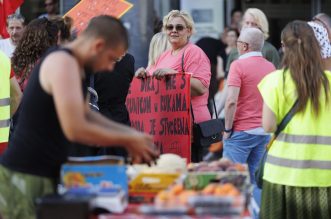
column 301, row 154
column 4, row 97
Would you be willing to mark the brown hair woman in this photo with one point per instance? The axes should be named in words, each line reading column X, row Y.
column 298, row 167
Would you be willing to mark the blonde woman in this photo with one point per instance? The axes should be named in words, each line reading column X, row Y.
column 179, row 27
column 157, row 46
column 254, row 17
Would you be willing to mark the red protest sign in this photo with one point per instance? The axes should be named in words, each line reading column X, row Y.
column 87, row 9
column 162, row 108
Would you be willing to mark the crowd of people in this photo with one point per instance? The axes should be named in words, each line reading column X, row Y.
column 47, row 76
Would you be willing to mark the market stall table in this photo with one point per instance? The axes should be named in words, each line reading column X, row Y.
column 133, row 213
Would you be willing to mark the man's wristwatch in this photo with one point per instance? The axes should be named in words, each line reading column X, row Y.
column 228, row 130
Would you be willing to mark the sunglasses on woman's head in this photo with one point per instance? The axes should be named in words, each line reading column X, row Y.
column 177, row 27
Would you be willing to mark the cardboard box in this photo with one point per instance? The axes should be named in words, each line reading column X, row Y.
column 145, row 186
column 100, row 175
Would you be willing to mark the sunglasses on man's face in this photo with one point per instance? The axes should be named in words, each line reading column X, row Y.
column 177, row 27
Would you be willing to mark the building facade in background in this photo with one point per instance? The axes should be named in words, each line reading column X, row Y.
column 211, row 16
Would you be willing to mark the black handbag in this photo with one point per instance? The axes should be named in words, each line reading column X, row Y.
column 208, row 132
column 260, row 170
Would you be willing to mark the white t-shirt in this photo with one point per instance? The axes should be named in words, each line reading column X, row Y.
column 7, row 47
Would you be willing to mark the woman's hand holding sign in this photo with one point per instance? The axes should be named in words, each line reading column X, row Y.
column 162, row 72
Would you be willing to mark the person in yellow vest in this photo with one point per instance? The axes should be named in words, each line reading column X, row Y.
column 297, row 174
column 10, row 95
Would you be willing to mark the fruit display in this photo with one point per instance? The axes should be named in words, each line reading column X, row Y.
column 227, row 189
column 223, row 171
column 178, row 195
column 147, row 181
column 217, row 188
column 222, row 199
column 217, row 166
column 218, row 199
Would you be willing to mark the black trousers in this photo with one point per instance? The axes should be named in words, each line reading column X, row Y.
column 198, row 152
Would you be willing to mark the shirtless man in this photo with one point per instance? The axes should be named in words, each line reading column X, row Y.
column 54, row 111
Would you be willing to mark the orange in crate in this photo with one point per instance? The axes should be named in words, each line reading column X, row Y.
column 209, row 190
column 177, row 189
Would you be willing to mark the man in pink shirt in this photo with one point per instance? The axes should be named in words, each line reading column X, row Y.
column 244, row 138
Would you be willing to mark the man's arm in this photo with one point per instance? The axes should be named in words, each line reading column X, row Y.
column 230, row 108
column 15, row 95
column 60, row 76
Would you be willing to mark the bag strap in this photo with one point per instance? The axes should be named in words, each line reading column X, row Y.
column 287, row 118
column 215, row 111
column 183, row 70
column 192, row 112
column 183, row 62
column 92, row 80
column 191, row 102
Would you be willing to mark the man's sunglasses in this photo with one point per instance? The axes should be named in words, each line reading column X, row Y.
column 177, row 27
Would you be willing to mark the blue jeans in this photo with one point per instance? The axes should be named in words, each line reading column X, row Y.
column 242, row 147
